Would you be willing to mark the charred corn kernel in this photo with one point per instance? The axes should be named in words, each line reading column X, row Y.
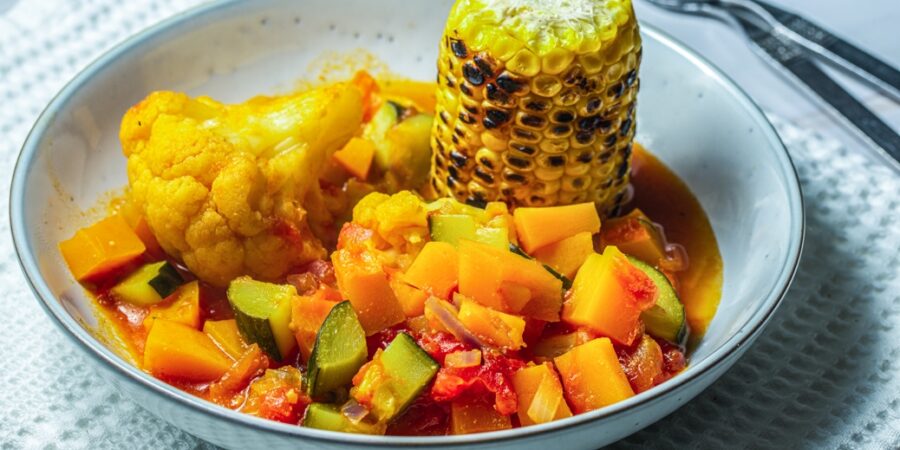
column 525, row 63
column 536, row 101
column 558, row 60
column 546, row 85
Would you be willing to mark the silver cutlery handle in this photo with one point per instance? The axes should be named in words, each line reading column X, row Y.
column 861, row 63
column 792, row 58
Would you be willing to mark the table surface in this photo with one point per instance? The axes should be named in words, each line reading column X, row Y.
column 868, row 23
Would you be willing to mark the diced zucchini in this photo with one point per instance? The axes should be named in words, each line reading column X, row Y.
column 339, row 352
column 148, row 285
column 407, row 370
column 324, row 416
column 263, row 314
column 566, row 282
column 452, row 228
column 384, row 119
column 664, row 320
column 495, row 237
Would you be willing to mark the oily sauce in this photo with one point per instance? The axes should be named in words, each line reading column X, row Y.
column 667, row 200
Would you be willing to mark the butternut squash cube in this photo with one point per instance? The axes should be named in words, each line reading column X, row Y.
column 411, row 298
column 307, row 315
column 505, row 281
column 497, row 328
column 635, row 235
column 567, row 256
column 175, row 350
column 226, row 335
column 183, row 307
column 435, row 269
column 540, row 395
column 96, row 250
column 592, row 376
column 364, row 282
column 608, row 296
column 537, row 227
column 356, row 157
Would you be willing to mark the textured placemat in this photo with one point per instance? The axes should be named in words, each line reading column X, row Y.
column 825, row 373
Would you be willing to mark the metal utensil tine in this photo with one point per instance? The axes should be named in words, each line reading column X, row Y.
column 795, row 62
column 823, row 43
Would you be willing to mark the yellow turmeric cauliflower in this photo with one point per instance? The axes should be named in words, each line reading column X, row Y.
column 233, row 189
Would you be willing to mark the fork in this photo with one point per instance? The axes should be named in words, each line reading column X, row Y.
column 792, row 43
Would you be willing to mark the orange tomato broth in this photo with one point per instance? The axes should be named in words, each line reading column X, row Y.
column 660, row 194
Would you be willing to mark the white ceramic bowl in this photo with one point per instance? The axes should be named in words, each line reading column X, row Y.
column 697, row 121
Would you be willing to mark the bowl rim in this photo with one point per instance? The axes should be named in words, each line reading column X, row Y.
column 93, row 347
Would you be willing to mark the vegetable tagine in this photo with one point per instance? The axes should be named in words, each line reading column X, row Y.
column 408, row 258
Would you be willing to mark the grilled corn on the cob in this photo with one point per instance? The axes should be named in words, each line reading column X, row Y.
column 536, row 101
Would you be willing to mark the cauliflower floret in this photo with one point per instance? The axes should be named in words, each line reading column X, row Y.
column 399, row 219
column 391, row 228
column 223, row 187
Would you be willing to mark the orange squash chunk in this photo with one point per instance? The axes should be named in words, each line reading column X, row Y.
column 411, row 298
column 183, row 307
column 592, row 377
column 538, row 389
column 175, row 350
column 567, row 255
column 435, row 269
column 608, row 296
column 476, row 415
column 101, row 248
column 226, row 335
column 308, row 312
column 635, row 235
column 537, row 227
column 356, row 157
column 361, row 278
column 505, row 281
column 497, row 328
column 481, row 273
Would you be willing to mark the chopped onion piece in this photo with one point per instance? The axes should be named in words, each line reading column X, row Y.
column 545, row 402
column 466, row 358
column 450, row 321
column 354, row 412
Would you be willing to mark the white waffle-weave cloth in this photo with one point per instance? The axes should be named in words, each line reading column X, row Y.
column 824, row 374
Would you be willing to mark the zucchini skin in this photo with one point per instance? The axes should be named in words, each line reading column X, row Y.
column 670, row 312
column 331, row 329
column 258, row 331
column 166, row 281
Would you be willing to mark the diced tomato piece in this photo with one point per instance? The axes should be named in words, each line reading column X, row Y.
column 642, row 363
column 281, row 405
column 439, row 344
column 494, row 375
